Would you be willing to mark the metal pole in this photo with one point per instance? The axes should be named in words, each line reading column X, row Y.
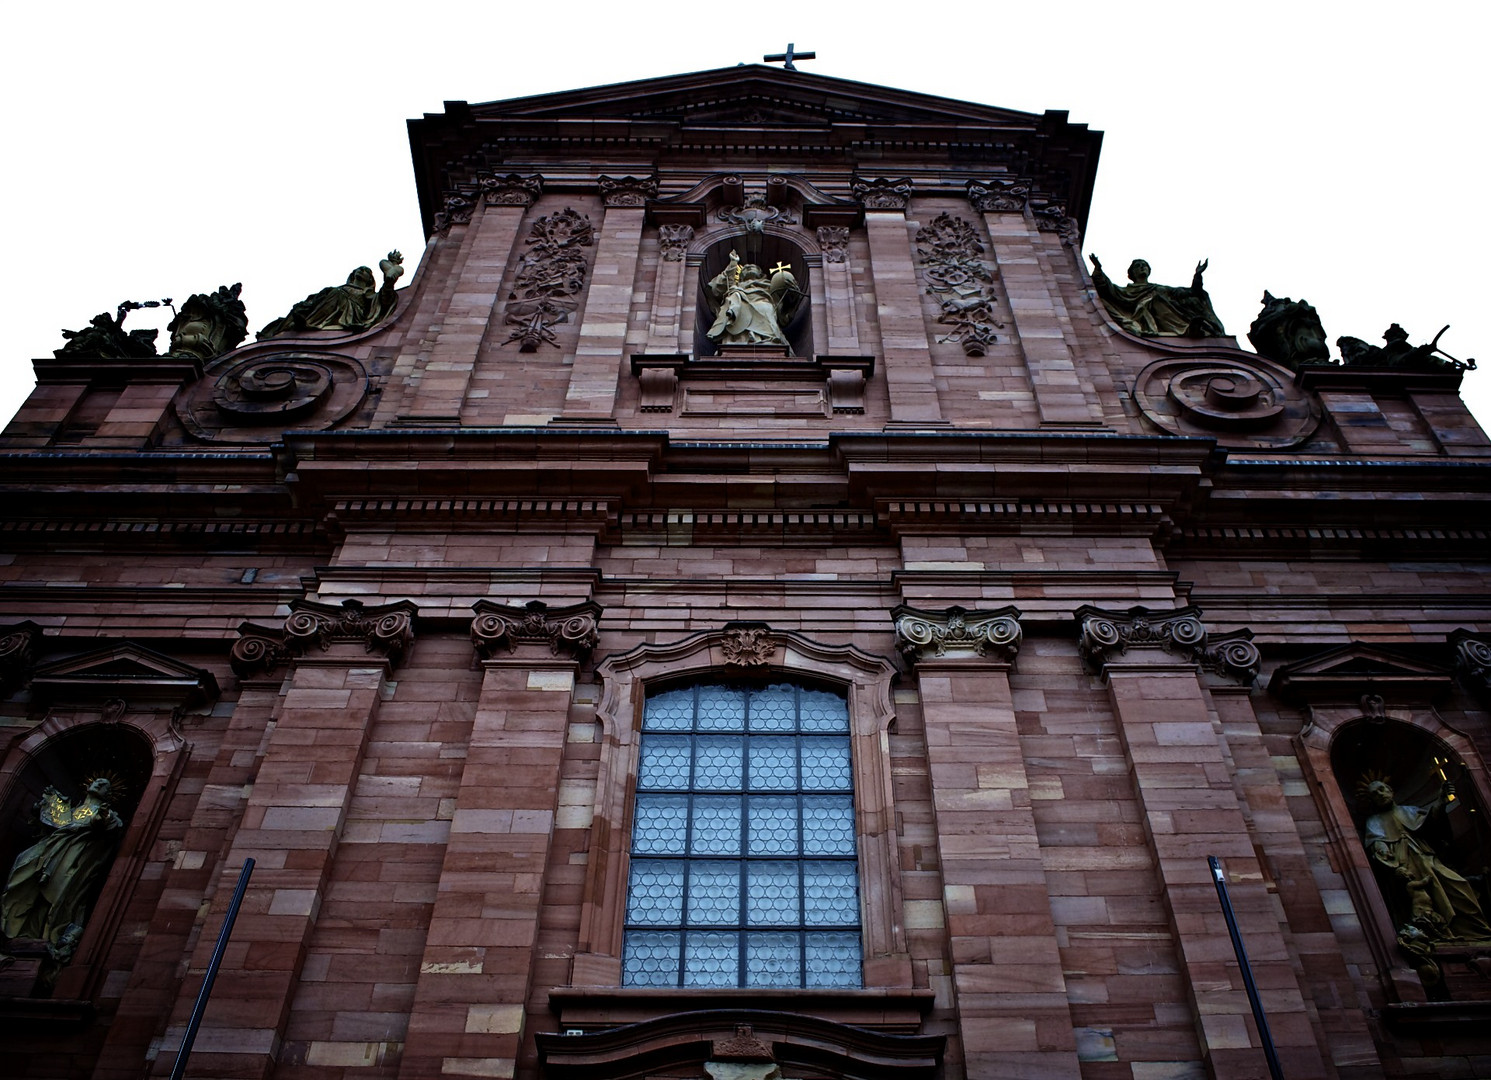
column 179, row 1069
column 1247, row 971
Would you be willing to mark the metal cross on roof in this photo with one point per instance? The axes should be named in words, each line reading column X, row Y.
column 790, row 55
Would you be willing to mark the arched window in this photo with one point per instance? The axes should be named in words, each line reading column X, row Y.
column 743, row 867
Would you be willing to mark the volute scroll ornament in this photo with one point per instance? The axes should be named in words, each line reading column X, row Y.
column 572, row 630
column 955, row 632
column 514, row 189
column 258, row 650
column 455, row 209
column 1240, row 400
column 628, row 190
column 1473, row 660
column 881, row 193
column 998, row 195
column 755, row 213
column 386, row 628
column 1105, row 634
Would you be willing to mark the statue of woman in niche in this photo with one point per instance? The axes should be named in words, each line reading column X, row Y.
column 1157, row 310
column 1443, row 905
column 357, row 305
column 751, row 308
column 52, row 884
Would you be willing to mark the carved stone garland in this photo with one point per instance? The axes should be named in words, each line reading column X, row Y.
column 922, row 635
column 387, row 629
column 571, row 629
column 550, row 278
column 674, row 241
column 1104, row 633
column 949, row 250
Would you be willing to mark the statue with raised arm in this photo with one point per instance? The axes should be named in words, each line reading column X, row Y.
column 1157, row 310
column 750, row 307
column 1443, row 906
column 357, row 305
column 53, row 882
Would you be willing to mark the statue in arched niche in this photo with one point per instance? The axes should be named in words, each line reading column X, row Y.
column 1443, row 905
column 751, row 307
column 52, row 884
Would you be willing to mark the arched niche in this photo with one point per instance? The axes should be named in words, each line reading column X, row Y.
column 765, row 249
column 1417, row 764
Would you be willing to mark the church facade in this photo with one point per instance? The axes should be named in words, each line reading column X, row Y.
column 752, row 603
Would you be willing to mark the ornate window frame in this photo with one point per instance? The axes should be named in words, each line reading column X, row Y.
column 744, row 651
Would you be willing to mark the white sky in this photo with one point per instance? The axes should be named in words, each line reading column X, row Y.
column 1332, row 152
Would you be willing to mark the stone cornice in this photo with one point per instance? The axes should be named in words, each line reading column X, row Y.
column 1105, row 634
column 570, row 630
column 956, row 633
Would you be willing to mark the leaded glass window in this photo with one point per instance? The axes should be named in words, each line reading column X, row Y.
column 743, row 866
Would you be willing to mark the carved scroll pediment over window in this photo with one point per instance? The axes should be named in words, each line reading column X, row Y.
column 957, row 632
column 571, row 630
column 1106, row 634
column 882, row 194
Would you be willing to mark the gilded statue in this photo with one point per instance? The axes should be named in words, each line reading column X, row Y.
column 1443, row 906
column 751, row 308
column 53, row 882
column 1157, row 310
column 357, row 305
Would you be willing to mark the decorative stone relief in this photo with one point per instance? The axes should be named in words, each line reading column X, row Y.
column 513, row 189
column 956, row 632
column 550, row 278
column 387, row 628
column 1052, row 217
column 748, row 646
column 742, row 1046
column 675, row 240
column 258, row 650
column 949, row 249
column 255, row 398
column 628, row 190
column 1288, row 332
column 455, row 210
column 1240, row 401
column 998, row 196
column 17, row 655
column 1106, row 633
column 1472, row 660
column 834, row 240
column 755, row 214
column 570, row 630
column 882, row 194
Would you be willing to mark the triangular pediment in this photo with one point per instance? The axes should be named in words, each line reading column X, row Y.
column 750, row 94
column 127, row 671
column 1352, row 670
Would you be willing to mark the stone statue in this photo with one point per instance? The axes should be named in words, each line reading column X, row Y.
column 106, row 339
column 1157, row 310
column 1397, row 353
column 751, row 308
column 351, row 307
column 53, row 882
column 209, row 324
column 1288, row 332
column 1443, row 906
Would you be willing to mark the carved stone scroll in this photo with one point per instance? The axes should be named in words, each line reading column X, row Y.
column 1473, row 660
column 1108, row 633
column 572, row 629
column 882, row 194
column 550, row 278
column 1241, row 401
column 628, row 190
column 755, row 214
column 949, row 249
column 674, row 239
column 957, row 632
column 17, row 654
column 513, row 189
column 456, row 209
column 387, row 628
column 1053, row 217
column 998, row 195
column 258, row 650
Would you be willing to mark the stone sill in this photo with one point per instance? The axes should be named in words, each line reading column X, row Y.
column 896, row 1010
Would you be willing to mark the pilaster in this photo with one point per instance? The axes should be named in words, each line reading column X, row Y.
column 1183, row 778
column 1012, row 1007
column 665, row 325
column 291, row 825
column 470, row 1004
